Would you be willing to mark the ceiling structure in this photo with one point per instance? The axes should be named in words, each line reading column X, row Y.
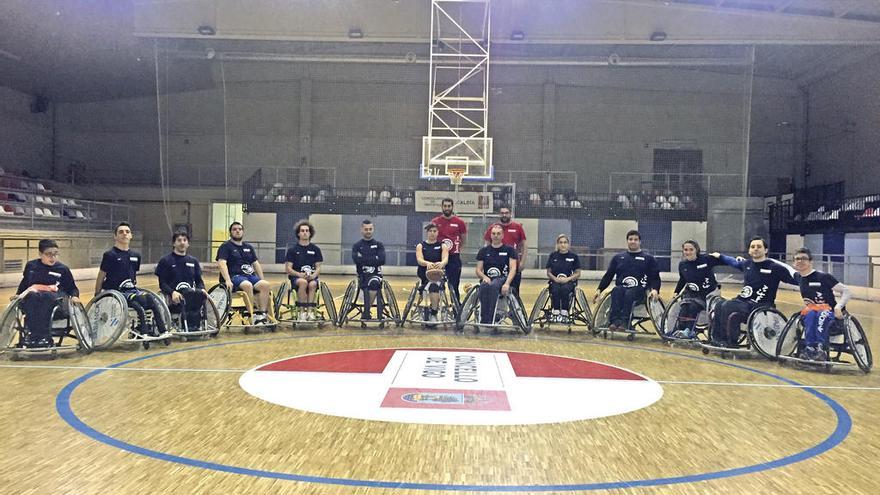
column 78, row 50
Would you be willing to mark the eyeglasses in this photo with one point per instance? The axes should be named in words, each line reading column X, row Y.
column 50, row 254
column 801, row 258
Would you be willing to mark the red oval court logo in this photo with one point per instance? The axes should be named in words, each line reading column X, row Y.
column 451, row 386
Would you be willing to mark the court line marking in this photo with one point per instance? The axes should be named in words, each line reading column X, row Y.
column 841, row 431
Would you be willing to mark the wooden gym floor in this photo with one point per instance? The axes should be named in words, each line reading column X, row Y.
column 175, row 420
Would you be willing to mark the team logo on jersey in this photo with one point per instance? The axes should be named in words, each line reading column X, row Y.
column 126, row 284
column 307, row 269
column 247, row 269
column 746, row 292
column 183, row 286
column 693, row 287
column 630, row 282
column 368, row 269
column 451, row 386
column 55, row 274
column 493, row 272
column 448, row 243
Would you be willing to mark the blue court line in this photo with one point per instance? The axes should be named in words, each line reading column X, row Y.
column 842, row 429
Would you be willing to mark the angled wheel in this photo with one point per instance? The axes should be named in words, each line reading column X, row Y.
column 282, row 311
column 538, row 308
column 670, row 318
column 221, row 297
column 410, row 301
column 787, row 344
column 160, row 303
column 347, row 302
column 656, row 308
column 10, row 321
column 213, row 319
column 583, row 309
column 602, row 317
column 108, row 316
column 858, row 343
column 764, row 328
column 325, row 298
column 391, row 301
column 518, row 314
column 468, row 306
column 82, row 327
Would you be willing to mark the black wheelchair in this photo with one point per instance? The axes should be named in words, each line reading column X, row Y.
column 641, row 315
column 677, row 326
column 71, row 330
column 579, row 312
column 508, row 311
column 209, row 317
column 846, row 338
column 417, row 310
column 352, row 307
column 288, row 311
column 236, row 310
column 115, row 318
column 763, row 326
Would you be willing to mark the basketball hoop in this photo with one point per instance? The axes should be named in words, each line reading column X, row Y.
column 456, row 176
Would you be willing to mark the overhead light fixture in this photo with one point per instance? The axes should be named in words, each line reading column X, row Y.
column 658, row 36
column 207, row 30
column 517, row 35
column 355, row 33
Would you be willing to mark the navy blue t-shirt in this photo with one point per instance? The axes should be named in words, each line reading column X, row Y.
column 495, row 260
column 563, row 264
column 760, row 280
column 816, row 288
column 632, row 270
column 176, row 273
column 239, row 259
column 368, row 256
column 121, row 268
column 697, row 275
column 36, row 272
column 304, row 258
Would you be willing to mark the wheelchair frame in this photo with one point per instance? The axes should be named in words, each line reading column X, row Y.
column 353, row 294
column 850, row 340
column 210, row 324
column 579, row 311
column 650, row 310
column 121, row 321
column 515, row 313
column 750, row 340
column 288, row 312
column 13, row 324
column 417, row 303
column 240, row 316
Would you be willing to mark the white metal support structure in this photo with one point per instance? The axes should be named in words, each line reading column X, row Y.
column 458, row 112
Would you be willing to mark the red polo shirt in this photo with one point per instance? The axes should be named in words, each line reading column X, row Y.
column 450, row 229
column 513, row 234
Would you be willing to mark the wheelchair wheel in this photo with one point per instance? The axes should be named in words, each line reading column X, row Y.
column 391, row 302
column 10, row 322
column 221, row 298
column 538, row 308
column 283, row 312
column 858, row 343
column 160, row 303
column 347, row 303
column 108, row 315
column 601, row 319
column 765, row 326
column 468, row 306
column 79, row 320
column 410, row 302
column 669, row 320
column 787, row 345
column 325, row 298
column 518, row 314
column 584, row 311
column 656, row 308
column 213, row 320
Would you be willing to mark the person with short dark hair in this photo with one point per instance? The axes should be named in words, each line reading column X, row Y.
column 302, row 263
column 44, row 282
column 118, row 271
column 634, row 271
column 496, row 268
column 563, row 272
column 452, row 231
column 180, row 279
column 240, row 269
column 431, row 254
column 696, row 280
column 368, row 255
column 515, row 237
column 761, row 278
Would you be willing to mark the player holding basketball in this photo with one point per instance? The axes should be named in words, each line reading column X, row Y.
column 302, row 262
column 563, row 272
column 432, row 257
column 452, row 231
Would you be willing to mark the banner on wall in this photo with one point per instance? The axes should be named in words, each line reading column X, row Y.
column 465, row 202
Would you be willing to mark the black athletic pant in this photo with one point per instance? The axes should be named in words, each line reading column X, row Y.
column 453, row 275
column 37, row 308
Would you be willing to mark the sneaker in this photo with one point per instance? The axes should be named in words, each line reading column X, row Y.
column 685, row 334
column 807, row 353
column 820, row 355
column 302, row 316
column 42, row 343
column 260, row 319
column 432, row 317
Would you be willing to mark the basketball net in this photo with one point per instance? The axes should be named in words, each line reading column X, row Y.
column 456, row 176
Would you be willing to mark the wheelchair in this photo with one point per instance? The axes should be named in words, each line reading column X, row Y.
column 672, row 320
column 509, row 313
column 287, row 311
column 579, row 311
column 352, row 306
column 418, row 309
column 209, row 327
column 236, row 309
column 764, row 325
column 69, row 323
column 112, row 315
column 846, row 337
column 648, row 311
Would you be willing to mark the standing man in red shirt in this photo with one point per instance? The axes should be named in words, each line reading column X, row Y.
column 451, row 231
column 515, row 237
